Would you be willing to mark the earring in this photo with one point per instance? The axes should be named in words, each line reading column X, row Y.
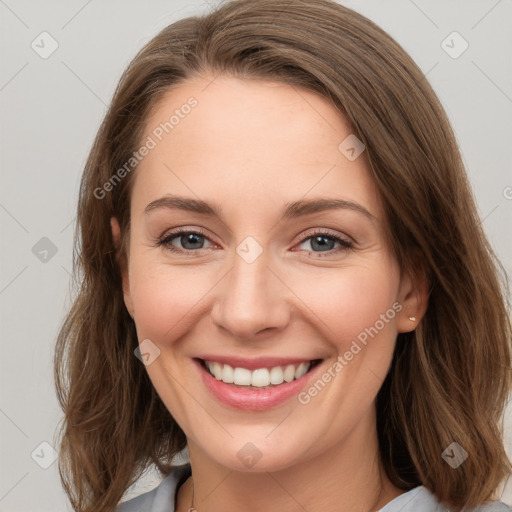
column 412, row 318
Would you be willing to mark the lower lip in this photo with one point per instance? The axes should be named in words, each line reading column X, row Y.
column 253, row 399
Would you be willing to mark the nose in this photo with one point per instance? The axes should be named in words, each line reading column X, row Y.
column 251, row 299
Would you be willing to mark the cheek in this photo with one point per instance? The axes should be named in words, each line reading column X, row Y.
column 343, row 303
column 164, row 298
column 348, row 302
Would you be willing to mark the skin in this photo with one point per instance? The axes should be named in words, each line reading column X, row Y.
column 252, row 146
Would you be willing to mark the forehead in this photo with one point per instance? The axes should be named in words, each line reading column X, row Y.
column 259, row 140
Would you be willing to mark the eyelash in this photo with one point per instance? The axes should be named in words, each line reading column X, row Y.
column 166, row 241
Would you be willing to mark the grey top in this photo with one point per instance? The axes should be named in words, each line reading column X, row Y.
column 162, row 498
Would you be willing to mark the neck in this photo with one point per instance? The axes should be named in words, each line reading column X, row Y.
column 346, row 478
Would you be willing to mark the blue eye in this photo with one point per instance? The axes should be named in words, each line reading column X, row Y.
column 324, row 242
column 193, row 240
column 190, row 240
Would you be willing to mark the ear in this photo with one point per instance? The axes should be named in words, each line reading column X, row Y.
column 123, row 267
column 413, row 296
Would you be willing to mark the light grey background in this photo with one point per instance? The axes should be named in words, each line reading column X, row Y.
column 50, row 110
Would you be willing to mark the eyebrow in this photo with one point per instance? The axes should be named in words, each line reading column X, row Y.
column 291, row 210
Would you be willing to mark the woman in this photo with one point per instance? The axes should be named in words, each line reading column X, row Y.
column 282, row 271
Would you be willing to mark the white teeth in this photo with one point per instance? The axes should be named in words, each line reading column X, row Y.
column 302, row 370
column 289, row 373
column 242, row 377
column 262, row 377
column 216, row 369
column 276, row 375
column 228, row 374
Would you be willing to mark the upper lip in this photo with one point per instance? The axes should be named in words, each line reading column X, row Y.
column 255, row 362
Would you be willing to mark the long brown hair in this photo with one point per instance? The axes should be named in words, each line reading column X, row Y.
column 449, row 379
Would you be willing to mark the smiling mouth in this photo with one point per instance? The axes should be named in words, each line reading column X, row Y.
column 261, row 378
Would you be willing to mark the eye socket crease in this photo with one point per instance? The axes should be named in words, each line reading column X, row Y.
column 291, row 210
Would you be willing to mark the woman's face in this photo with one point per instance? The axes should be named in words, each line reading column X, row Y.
column 292, row 266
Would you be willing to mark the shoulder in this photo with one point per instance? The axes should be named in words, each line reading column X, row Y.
column 161, row 498
column 420, row 499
